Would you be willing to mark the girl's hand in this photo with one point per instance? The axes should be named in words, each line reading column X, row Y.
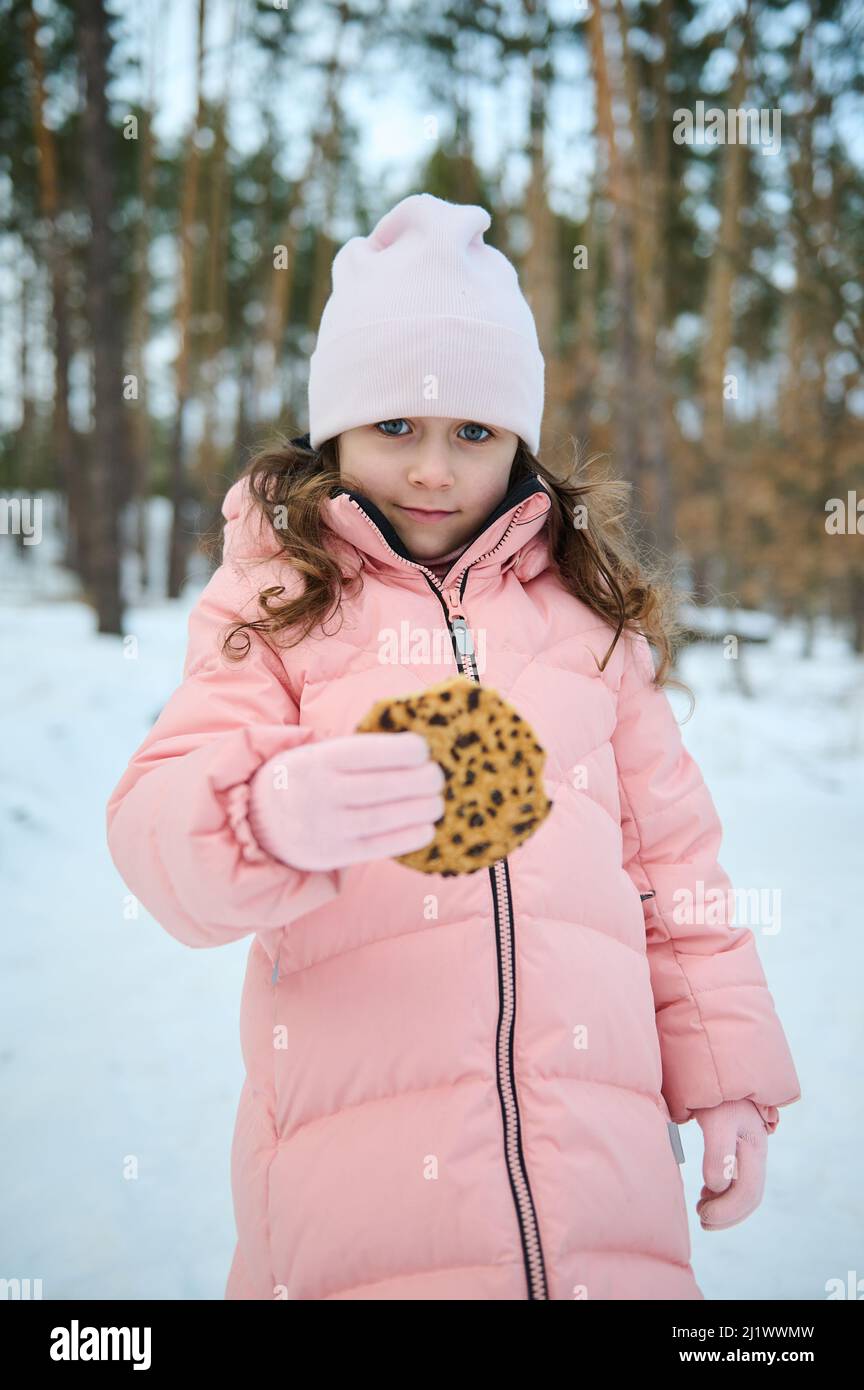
column 736, row 1148
column 344, row 800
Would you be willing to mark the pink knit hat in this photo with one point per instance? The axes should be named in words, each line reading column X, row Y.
column 425, row 319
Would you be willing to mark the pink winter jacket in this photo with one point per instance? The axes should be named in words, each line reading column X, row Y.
column 464, row 1087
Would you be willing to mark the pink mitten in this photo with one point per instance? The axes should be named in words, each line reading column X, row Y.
column 736, row 1147
column 336, row 802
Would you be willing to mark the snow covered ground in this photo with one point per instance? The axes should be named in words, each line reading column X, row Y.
column 119, row 1048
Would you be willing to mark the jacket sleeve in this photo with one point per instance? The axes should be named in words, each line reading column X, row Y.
column 720, row 1037
column 177, row 823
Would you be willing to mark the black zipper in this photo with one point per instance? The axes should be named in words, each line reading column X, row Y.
column 505, row 934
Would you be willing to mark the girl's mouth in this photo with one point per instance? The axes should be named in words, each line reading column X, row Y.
column 419, row 515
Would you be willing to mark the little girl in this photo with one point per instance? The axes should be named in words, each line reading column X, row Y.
column 468, row 1086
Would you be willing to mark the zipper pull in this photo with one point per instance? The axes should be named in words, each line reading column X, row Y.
column 458, row 622
column 464, row 640
column 453, row 601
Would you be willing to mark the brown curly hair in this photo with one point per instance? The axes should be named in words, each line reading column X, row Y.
column 598, row 561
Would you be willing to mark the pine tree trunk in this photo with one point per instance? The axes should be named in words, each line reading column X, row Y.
column 70, row 479
column 142, row 433
column 108, row 456
column 623, row 254
column 179, row 543
column 718, row 461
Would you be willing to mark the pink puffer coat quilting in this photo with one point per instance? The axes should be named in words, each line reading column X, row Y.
column 462, row 1087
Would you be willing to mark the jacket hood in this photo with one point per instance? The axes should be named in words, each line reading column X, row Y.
column 512, row 536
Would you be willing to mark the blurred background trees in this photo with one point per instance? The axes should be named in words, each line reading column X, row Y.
column 176, row 178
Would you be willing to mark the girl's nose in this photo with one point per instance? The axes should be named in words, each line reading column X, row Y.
column 432, row 471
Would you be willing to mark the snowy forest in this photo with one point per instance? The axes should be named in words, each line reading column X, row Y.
column 680, row 184
column 173, row 198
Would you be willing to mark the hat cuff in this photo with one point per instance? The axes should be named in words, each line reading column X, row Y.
column 441, row 365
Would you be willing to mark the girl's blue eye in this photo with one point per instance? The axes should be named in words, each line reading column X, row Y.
column 390, row 422
column 477, row 427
